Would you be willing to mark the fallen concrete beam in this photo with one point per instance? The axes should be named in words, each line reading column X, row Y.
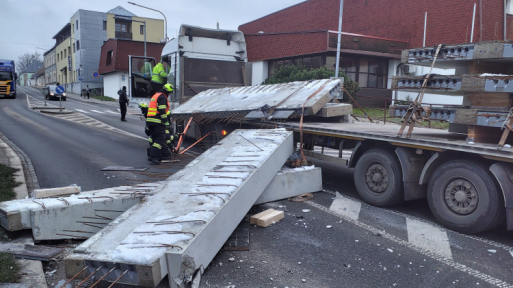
column 291, row 182
column 189, row 220
column 32, row 252
column 48, row 218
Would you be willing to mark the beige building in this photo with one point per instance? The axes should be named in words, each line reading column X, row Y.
column 79, row 42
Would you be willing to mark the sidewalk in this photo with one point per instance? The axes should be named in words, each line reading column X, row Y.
column 132, row 108
column 31, row 271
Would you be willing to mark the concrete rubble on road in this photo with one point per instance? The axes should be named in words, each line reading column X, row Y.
column 179, row 230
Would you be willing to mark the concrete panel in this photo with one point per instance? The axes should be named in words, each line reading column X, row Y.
column 292, row 182
column 335, row 109
column 193, row 214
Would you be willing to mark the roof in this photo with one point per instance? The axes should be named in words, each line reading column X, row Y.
column 120, row 11
column 66, row 28
column 33, row 67
column 40, row 71
column 122, row 48
column 267, row 46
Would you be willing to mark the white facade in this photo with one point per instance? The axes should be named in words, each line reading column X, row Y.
column 260, row 72
column 113, row 82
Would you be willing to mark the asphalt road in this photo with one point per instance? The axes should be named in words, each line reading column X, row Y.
column 335, row 242
column 64, row 152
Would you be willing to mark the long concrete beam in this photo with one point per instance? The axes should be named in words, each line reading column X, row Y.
column 191, row 217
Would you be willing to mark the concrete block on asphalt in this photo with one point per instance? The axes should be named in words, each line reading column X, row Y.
column 292, row 182
column 178, row 231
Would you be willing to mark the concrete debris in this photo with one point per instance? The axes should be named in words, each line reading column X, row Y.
column 186, row 273
column 56, row 192
column 329, row 226
column 390, row 250
column 375, row 233
column 231, row 259
column 306, row 210
column 492, row 251
column 303, row 280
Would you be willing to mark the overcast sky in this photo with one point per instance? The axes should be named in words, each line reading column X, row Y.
column 35, row 22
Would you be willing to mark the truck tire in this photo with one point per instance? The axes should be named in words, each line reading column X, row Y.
column 464, row 196
column 379, row 179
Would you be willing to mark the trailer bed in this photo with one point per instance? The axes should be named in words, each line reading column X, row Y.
column 423, row 138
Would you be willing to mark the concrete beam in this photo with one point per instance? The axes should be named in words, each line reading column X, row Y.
column 191, row 217
column 291, row 183
column 43, row 215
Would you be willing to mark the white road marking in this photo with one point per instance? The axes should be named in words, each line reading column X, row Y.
column 82, row 111
column 97, row 111
column 111, row 112
column 346, row 207
column 478, row 274
column 428, row 237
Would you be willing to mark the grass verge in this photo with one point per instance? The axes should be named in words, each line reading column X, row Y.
column 377, row 114
column 8, row 267
column 7, row 183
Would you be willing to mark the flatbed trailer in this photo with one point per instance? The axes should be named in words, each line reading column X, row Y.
column 469, row 188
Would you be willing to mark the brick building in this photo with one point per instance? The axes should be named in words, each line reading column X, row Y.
column 374, row 33
column 114, row 64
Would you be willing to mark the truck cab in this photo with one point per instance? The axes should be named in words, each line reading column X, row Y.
column 8, row 79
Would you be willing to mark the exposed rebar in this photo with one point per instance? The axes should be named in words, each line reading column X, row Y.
column 63, row 285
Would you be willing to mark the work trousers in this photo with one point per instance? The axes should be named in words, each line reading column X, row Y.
column 122, row 108
column 158, row 142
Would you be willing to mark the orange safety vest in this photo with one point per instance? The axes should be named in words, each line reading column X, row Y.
column 153, row 110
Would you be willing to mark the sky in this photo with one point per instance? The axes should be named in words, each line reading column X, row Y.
column 29, row 25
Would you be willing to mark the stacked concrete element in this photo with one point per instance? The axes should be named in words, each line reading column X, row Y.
column 279, row 101
column 483, row 78
column 178, row 231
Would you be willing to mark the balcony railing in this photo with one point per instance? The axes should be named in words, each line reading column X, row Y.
column 124, row 35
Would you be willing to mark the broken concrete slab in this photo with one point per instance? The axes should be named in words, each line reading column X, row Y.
column 291, row 182
column 28, row 251
column 335, row 109
column 191, row 217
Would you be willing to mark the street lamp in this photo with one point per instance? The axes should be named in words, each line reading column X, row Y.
column 165, row 20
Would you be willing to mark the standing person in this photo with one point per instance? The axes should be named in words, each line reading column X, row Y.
column 159, row 75
column 88, row 90
column 123, row 102
column 157, row 122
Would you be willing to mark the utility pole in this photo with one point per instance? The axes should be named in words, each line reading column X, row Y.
column 165, row 20
column 339, row 36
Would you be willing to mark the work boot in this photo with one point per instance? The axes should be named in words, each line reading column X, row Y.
column 154, row 160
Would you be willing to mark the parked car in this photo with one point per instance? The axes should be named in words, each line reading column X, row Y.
column 50, row 94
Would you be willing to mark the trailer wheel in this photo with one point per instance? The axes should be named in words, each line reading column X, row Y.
column 378, row 178
column 463, row 196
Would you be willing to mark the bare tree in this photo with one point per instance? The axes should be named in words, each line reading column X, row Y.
column 25, row 60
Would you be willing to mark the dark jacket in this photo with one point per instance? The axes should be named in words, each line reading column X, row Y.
column 122, row 96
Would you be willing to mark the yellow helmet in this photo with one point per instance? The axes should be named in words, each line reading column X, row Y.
column 143, row 105
column 168, row 87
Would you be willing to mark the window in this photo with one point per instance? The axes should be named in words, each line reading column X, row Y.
column 76, row 24
column 109, row 57
column 61, row 55
column 78, row 45
column 121, row 27
column 373, row 73
column 141, row 29
column 73, row 47
column 69, row 51
column 104, row 25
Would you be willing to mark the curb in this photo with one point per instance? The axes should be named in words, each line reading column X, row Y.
column 15, row 162
column 30, row 178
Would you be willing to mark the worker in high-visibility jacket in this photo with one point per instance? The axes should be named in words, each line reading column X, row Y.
column 157, row 121
column 159, row 76
column 146, row 70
